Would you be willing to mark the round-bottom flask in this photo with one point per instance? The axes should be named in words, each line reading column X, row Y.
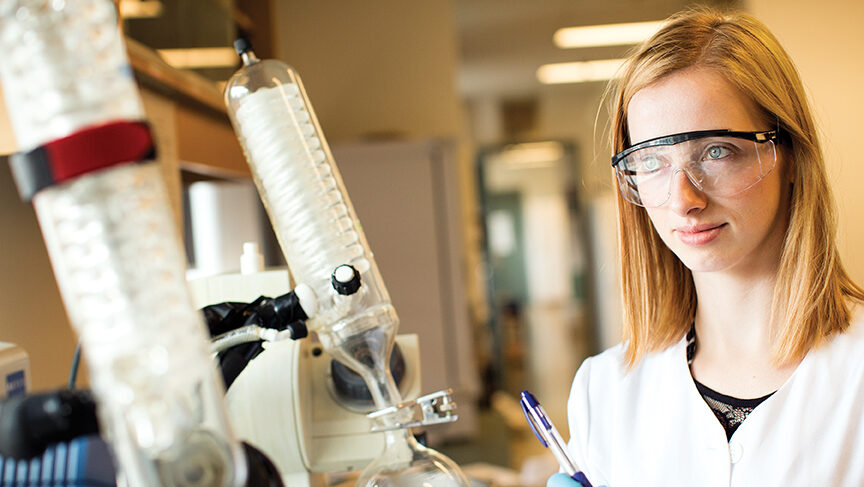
column 407, row 463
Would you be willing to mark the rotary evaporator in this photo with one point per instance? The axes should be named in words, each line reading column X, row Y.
column 87, row 165
column 326, row 250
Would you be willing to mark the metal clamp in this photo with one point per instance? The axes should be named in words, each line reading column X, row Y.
column 436, row 408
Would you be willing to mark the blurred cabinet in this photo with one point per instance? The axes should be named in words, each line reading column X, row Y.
column 406, row 197
column 193, row 131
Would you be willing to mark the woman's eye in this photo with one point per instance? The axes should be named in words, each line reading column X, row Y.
column 717, row 152
column 650, row 164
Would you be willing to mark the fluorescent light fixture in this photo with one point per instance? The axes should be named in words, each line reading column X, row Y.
column 605, row 35
column 579, row 72
column 531, row 154
column 200, row 57
column 140, row 9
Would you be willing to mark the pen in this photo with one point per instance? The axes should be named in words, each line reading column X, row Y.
column 549, row 436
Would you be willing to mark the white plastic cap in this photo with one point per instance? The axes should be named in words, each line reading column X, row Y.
column 268, row 334
column 308, row 299
column 251, row 261
column 344, row 273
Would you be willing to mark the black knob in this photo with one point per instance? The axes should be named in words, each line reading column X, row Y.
column 242, row 46
column 345, row 279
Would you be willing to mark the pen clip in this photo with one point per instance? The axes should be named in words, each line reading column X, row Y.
column 528, row 404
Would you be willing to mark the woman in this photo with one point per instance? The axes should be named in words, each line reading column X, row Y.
column 743, row 358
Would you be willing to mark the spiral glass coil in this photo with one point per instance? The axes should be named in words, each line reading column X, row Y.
column 313, row 218
column 318, row 231
column 115, row 251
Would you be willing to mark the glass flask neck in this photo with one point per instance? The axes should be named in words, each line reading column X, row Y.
column 384, row 391
column 249, row 58
column 406, row 463
column 399, row 446
column 401, row 437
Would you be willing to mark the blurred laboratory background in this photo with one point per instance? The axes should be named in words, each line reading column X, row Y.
column 472, row 139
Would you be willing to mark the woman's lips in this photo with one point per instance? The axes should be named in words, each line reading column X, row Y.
column 698, row 234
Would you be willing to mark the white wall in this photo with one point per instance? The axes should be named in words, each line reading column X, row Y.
column 547, row 246
column 826, row 43
column 573, row 112
column 374, row 68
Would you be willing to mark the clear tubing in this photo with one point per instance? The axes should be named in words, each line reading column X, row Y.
column 313, row 218
column 116, row 255
column 246, row 334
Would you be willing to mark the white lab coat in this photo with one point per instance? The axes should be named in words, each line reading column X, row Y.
column 650, row 427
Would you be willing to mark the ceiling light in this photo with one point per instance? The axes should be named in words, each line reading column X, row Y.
column 531, row 154
column 200, row 57
column 140, row 9
column 605, row 35
column 579, row 72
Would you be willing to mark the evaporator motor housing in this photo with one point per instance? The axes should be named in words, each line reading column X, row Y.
column 287, row 403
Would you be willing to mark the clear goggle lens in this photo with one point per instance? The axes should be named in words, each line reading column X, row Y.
column 718, row 166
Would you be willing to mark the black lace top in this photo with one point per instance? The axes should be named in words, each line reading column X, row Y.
column 730, row 411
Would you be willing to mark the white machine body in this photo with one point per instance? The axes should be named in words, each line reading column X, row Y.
column 283, row 402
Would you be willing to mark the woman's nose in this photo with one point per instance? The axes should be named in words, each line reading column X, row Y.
column 685, row 197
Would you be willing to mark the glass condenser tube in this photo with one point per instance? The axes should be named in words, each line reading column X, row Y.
column 313, row 217
column 113, row 244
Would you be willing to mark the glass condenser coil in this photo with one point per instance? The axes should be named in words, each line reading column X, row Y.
column 321, row 237
column 313, row 218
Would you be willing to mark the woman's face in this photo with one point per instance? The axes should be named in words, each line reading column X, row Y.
column 742, row 234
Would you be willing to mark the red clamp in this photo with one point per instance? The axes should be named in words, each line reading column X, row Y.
column 88, row 150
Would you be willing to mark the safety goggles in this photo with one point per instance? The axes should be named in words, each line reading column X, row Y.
column 716, row 162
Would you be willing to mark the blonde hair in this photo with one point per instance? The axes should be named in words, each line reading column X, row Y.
column 811, row 295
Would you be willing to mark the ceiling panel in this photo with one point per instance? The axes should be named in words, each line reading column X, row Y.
column 503, row 42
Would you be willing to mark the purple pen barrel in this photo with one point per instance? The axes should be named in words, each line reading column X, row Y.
column 548, row 435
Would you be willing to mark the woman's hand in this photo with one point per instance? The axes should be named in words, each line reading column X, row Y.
column 562, row 480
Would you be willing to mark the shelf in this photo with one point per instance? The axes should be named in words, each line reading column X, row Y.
column 205, row 142
column 192, row 121
column 154, row 73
